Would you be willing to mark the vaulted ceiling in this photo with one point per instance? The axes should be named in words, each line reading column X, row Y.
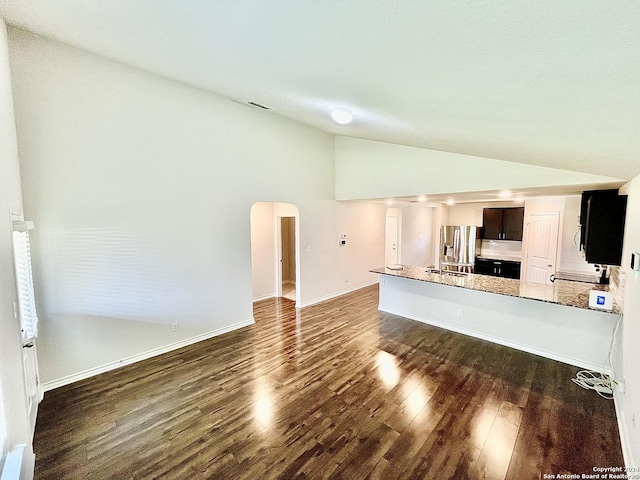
column 549, row 83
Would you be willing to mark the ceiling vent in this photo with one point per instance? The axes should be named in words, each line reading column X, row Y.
column 259, row 105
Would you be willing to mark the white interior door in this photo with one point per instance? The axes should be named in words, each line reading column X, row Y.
column 391, row 241
column 542, row 246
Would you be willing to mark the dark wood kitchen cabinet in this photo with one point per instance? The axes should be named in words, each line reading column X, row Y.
column 497, row 268
column 602, row 219
column 502, row 223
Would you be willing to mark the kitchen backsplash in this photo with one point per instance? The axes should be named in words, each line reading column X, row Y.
column 501, row 249
column 617, row 277
column 572, row 260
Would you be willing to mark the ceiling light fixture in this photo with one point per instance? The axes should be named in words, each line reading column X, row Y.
column 422, row 199
column 341, row 115
column 389, row 202
column 450, row 202
column 505, row 194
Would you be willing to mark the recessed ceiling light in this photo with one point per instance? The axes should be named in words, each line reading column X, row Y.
column 451, row 202
column 341, row 115
column 505, row 194
column 422, row 199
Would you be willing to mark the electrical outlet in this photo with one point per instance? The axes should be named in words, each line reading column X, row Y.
column 461, row 312
column 175, row 326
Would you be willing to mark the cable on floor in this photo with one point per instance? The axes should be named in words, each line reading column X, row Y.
column 600, row 382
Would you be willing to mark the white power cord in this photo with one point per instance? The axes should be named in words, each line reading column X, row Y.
column 602, row 383
column 599, row 382
column 613, row 340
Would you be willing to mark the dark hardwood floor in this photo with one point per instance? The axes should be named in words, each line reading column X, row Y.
column 336, row 390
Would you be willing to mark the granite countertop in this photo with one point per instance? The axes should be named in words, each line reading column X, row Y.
column 501, row 258
column 561, row 292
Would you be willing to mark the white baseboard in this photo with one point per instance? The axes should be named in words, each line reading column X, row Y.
column 334, row 295
column 141, row 356
column 13, row 463
column 499, row 341
column 629, row 461
column 264, row 297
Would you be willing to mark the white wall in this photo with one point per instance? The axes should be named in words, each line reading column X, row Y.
column 346, row 266
column 15, row 423
column 263, row 250
column 370, row 169
column 142, row 188
column 418, row 235
column 627, row 354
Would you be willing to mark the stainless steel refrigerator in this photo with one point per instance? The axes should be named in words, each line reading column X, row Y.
column 458, row 247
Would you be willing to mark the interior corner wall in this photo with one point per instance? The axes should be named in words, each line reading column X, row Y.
column 141, row 189
column 15, row 425
column 627, row 353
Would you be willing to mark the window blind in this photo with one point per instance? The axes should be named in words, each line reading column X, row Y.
column 24, row 279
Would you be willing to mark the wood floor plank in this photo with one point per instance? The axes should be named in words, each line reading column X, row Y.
column 335, row 390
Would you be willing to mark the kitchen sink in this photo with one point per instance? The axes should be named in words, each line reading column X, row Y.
column 447, row 272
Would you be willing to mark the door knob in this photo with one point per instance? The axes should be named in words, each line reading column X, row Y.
column 28, row 345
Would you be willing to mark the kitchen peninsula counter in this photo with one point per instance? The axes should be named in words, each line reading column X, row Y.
column 552, row 321
column 561, row 292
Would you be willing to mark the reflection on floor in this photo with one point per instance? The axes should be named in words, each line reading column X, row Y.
column 336, row 390
column 289, row 291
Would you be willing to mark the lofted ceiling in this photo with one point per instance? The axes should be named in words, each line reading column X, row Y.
column 549, row 83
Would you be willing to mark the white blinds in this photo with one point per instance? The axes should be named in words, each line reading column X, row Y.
column 26, row 299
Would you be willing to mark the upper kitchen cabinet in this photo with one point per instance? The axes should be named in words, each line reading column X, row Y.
column 602, row 217
column 502, row 223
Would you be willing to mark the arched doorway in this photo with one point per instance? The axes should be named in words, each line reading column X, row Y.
column 275, row 251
